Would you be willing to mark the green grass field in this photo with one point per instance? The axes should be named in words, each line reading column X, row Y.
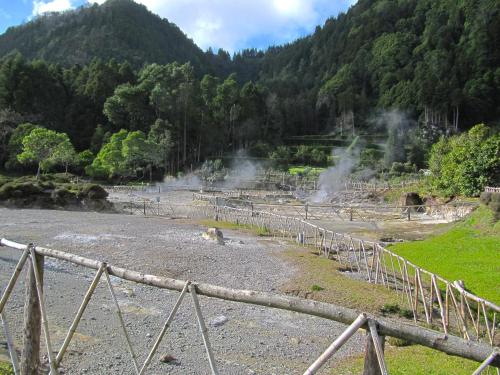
column 468, row 251
column 300, row 169
column 6, row 368
column 414, row 360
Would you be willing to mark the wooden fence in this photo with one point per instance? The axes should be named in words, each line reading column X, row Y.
column 449, row 211
column 428, row 298
column 36, row 319
column 489, row 189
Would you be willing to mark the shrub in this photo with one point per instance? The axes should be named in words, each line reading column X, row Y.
column 390, row 309
column 398, row 342
column 466, row 163
column 317, row 288
column 93, row 191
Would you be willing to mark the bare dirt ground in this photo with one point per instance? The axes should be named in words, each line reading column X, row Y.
column 246, row 339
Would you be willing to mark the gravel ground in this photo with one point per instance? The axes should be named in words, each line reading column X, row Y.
column 246, row 339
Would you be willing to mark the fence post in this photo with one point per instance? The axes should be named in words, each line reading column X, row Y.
column 372, row 366
column 30, row 357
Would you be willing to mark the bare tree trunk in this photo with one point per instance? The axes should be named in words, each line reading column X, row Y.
column 38, row 171
column 30, row 357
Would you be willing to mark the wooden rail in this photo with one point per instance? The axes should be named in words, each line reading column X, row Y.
column 309, row 211
column 449, row 344
column 489, row 189
column 429, row 298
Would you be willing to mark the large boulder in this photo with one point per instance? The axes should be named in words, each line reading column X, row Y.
column 410, row 199
column 214, row 234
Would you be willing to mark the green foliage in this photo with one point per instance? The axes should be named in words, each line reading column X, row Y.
column 110, row 161
column 125, row 154
column 435, row 61
column 281, row 157
column 85, row 158
column 6, row 369
column 465, row 164
column 122, row 29
column 316, row 288
column 15, row 145
column 46, row 148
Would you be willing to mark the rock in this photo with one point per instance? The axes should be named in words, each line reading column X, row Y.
column 214, row 234
column 167, row 358
column 219, row 321
column 410, row 199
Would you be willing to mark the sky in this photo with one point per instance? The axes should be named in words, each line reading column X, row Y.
column 229, row 24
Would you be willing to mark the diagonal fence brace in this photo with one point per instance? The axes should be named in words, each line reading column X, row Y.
column 120, row 318
column 41, row 301
column 13, row 279
column 486, row 362
column 378, row 346
column 337, row 344
column 79, row 314
column 165, row 327
column 10, row 343
column 203, row 329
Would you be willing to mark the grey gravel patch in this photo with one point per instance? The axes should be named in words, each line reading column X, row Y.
column 253, row 339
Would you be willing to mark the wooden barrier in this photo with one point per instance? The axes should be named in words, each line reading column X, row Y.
column 377, row 326
column 421, row 292
column 489, row 189
column 450, row 211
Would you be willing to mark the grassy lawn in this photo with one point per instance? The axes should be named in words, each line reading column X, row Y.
column 6, row 368
column 468, row 251
column 414, row 360
column 320, row 279
column 300, row 169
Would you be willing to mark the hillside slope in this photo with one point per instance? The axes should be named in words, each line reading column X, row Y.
column 120, row 29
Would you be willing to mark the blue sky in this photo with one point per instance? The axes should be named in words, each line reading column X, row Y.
column 230, row 24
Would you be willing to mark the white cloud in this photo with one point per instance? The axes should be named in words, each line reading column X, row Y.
column 236, row 24
column 40, row 6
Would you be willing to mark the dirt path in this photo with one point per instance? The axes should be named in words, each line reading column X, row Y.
column 246, row 339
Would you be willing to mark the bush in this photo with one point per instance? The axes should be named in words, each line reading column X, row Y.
column 93, row 191
column 390, row 309
column 465, row 164
column 19, row 190
column 398, row 342
column 317, row 288
column 281, row 157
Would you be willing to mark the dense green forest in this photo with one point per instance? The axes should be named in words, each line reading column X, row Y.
column 91, row 72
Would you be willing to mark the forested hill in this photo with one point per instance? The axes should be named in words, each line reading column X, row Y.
column 437, row 60
column 119, row 29
column 99, row 69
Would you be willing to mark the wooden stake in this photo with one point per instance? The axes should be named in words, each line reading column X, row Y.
column 336, row 345
column 45, row 324
column 486, row 362
column 440, row 302
column 164, row 329
column 13, row 279
column 79, row 314
column 203, row 329
column 122, row 322
column 30, row 356
column 373, row 367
